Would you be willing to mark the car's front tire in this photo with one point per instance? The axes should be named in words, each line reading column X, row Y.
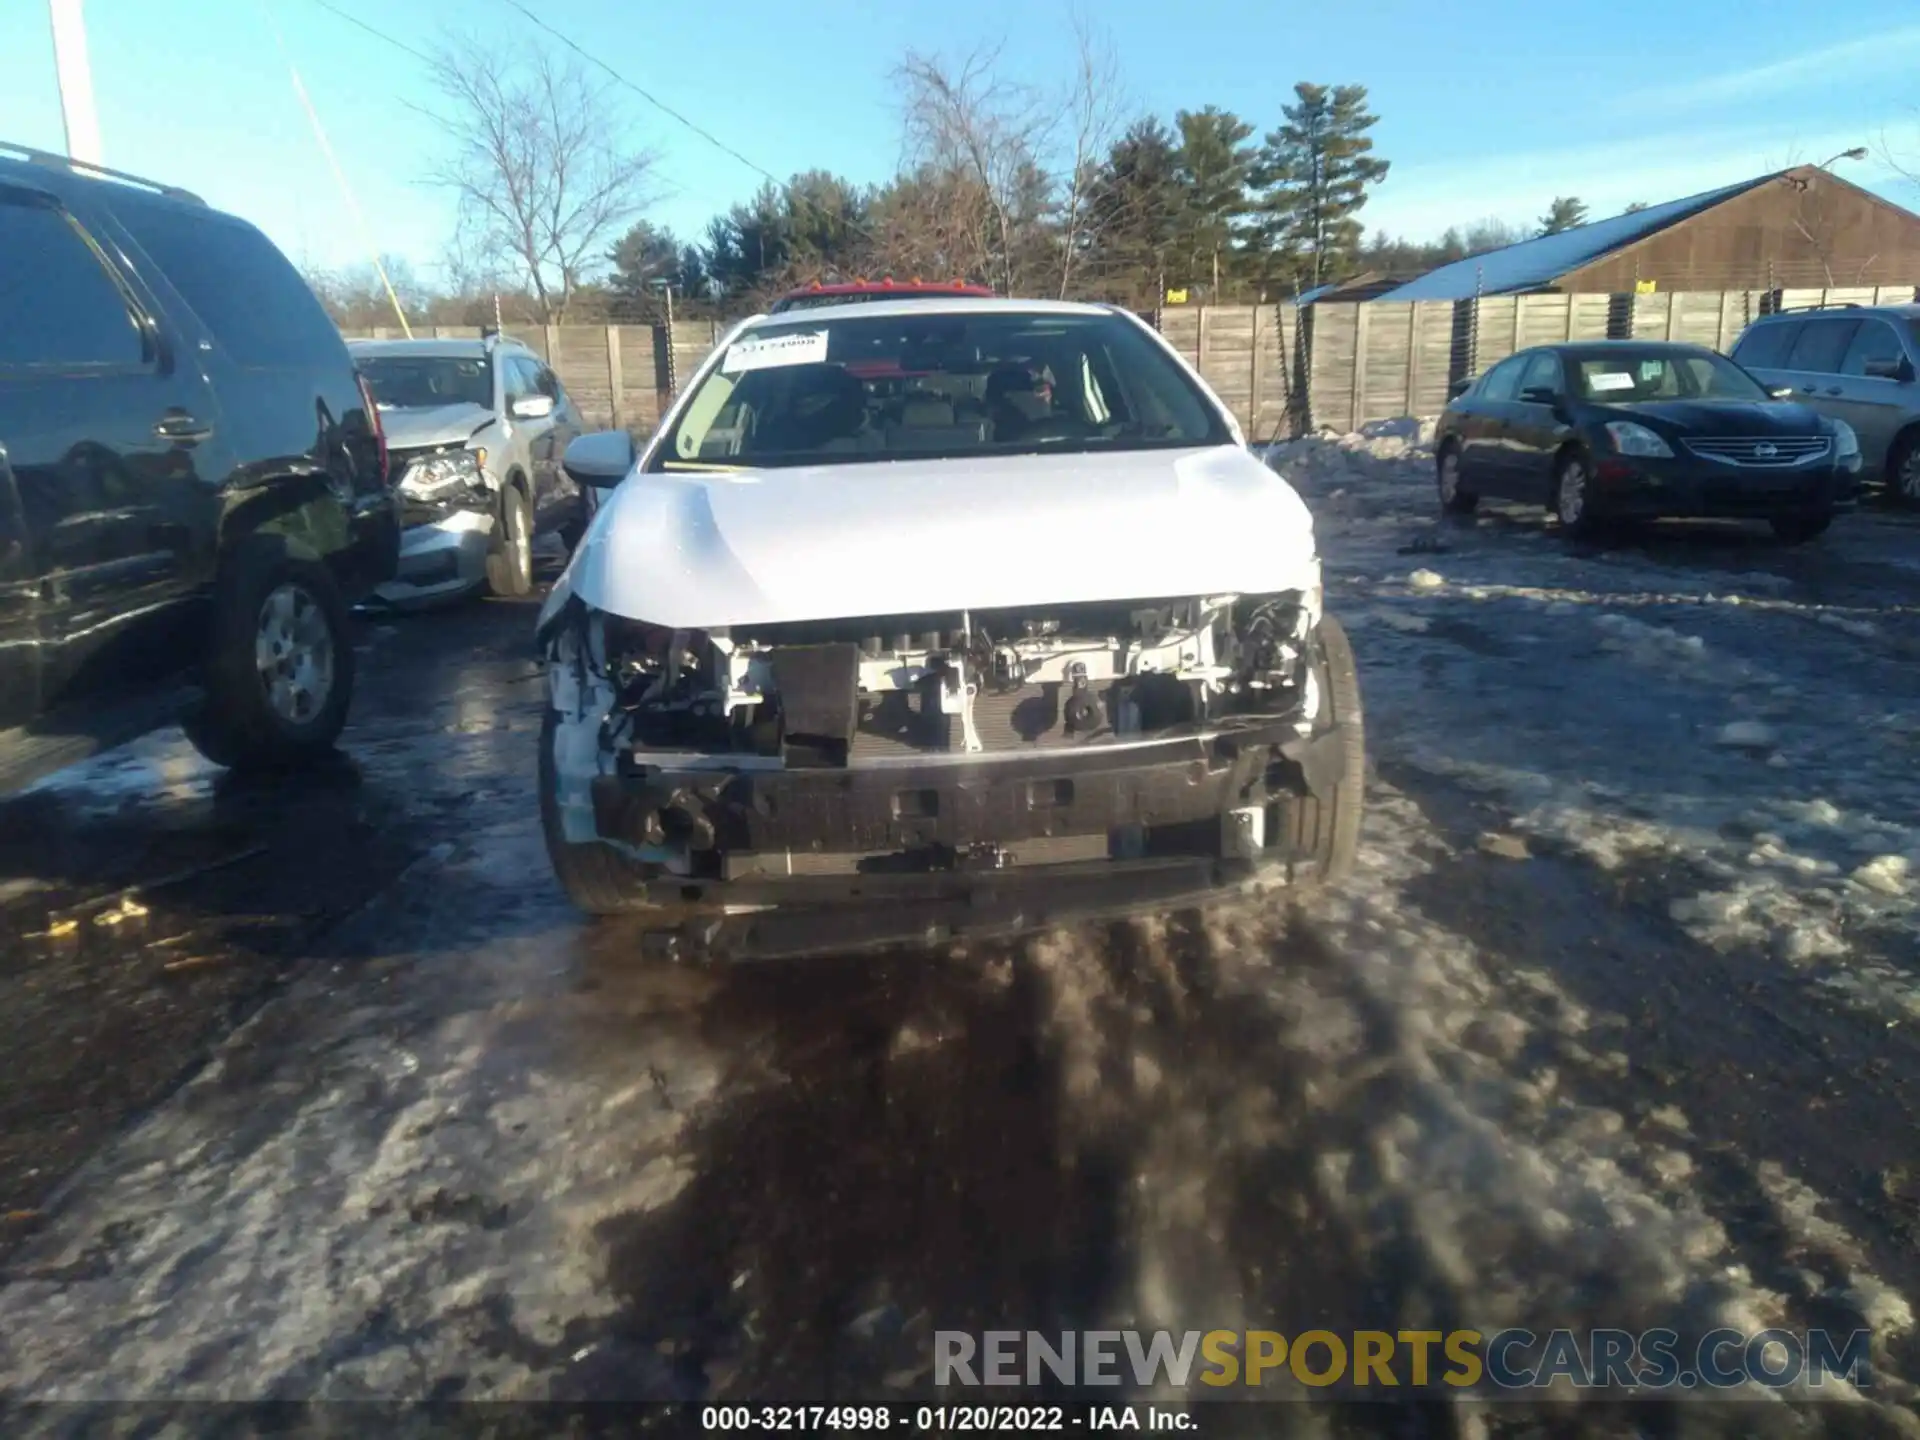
column 1903, row 471
column 1455, row 498
column 1327, row 830
column 597, row 878
column 1573, row 496
column 1798, row 529
column 279, row 668
column 510, row 564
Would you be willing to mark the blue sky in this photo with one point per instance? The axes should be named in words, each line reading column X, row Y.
column 1487, row 109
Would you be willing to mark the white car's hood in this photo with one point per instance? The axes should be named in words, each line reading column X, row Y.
column 409, row 429
column 910, row 536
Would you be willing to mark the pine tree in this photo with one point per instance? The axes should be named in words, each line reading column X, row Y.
column 1566, row 212
column 1214, row 163
column 1135, row 207
column 1316, row 169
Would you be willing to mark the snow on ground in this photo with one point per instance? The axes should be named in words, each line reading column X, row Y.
column 1709, row 697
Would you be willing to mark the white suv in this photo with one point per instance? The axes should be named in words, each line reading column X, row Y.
column 475, row 431
column 936, row 617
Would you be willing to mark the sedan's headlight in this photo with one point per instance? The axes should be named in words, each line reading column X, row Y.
column 1631, row 439
column 1845, row 442
column 434, row 477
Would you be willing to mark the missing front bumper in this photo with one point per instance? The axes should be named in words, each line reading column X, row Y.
column 1206, row 796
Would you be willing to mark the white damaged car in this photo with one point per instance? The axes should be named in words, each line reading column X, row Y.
column 927, row 619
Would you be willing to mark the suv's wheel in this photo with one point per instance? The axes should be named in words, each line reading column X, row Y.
column 279, row 668
column 1455, row 498
column 1572, row 495
column 1327, row 830
column 597, row 878
column 510, row 566
column 1903, row 471
column 1798, row 529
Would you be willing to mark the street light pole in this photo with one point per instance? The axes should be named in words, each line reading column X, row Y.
column 1858, row 152
column 76, row 81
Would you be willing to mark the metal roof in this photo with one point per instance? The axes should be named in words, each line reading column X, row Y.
column 1533, row 263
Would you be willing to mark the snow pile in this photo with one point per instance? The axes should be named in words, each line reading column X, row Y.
column 1389, row 462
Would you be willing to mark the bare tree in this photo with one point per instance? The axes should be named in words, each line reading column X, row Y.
column 1820, row 218
column 1094, row 108
column 544, row 179
column 962, row 120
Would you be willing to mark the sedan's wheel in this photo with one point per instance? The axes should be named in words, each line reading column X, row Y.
column 1571, row 498
column 1326, row 828
column 1903, row 470
column 1455, row 498
column 597, row 878
column 510, row 568
column 1798, row 529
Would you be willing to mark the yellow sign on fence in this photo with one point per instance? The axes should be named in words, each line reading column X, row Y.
column 1646, row 287
column 1176, row 297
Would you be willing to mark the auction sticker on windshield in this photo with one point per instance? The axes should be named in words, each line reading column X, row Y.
column 1611, row 380
column 808, row 349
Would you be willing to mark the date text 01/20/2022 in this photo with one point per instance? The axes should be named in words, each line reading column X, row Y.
column 876, row 1419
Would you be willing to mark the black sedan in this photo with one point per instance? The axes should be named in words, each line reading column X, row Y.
column 1625, row 429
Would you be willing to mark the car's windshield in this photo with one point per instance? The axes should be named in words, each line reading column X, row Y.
column 423, row 382
column 842, row 389
column 1622, row 377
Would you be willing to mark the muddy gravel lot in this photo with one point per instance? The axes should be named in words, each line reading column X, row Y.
column 322, row 1090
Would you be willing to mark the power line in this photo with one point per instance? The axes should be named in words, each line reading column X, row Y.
column 707, row 135
column 644, row 94
column 793, row 195
column 359, row 24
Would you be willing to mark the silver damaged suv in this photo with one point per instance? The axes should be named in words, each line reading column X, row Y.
column 1857, row 363
column 475, row 430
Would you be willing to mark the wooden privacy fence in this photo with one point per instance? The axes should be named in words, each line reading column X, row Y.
column 1374, row 360
column 1282, row 373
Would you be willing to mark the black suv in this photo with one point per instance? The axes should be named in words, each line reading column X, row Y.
column 193, row 481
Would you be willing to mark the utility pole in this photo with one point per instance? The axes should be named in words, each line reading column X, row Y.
column 75, row 78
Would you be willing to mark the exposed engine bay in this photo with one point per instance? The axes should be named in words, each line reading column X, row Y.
column 834, row 693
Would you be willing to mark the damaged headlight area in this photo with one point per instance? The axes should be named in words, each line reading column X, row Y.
column 883, row 756
column 833, row 693
column 444, row 475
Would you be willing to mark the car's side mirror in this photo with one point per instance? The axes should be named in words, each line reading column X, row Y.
column 532, row 407
column 1539, row 395
column 1458, row 388
column 599, row 460
column 1879, row 368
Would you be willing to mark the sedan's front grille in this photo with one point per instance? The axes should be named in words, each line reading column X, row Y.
column 1761, row 449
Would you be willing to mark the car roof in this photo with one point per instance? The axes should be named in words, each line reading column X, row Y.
column 906, row 288
column 451, row 347
column 1901, row 312
column 41, row 169
column 1621, row 344
column 926, row 305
